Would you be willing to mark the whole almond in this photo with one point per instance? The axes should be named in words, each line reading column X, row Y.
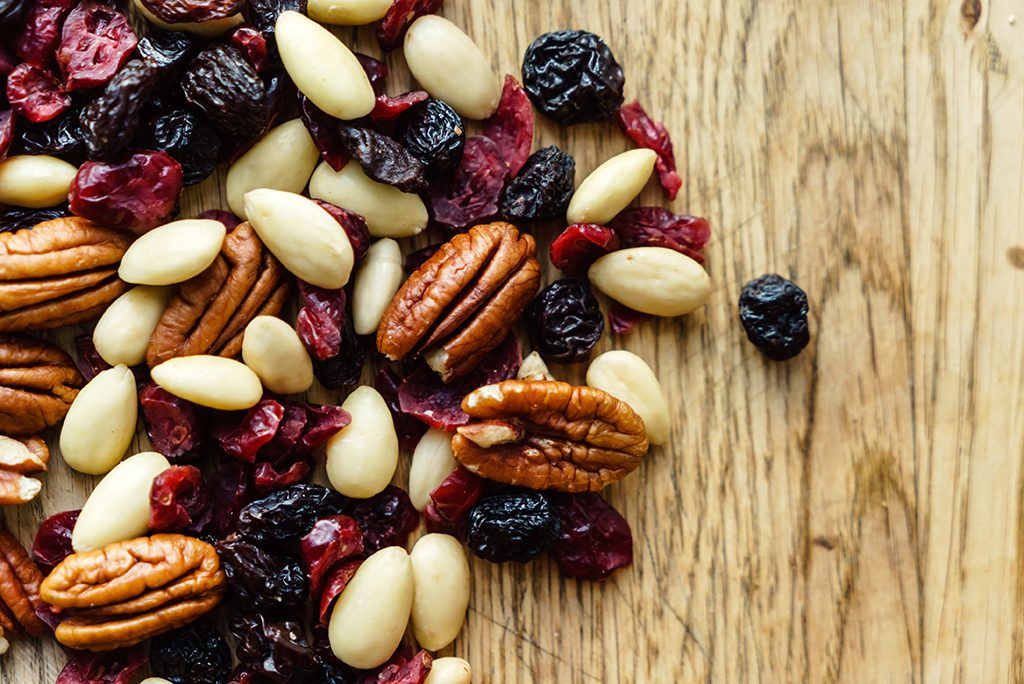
column 611, row 187
column 363, row 455
column 653, row 280
column 101, row 422
column 35, row 181
column 283, row 159
column 388, row 211
column 123, row 331
column 440, row 573
column 449, row 670
column 626, row 376
column 212, row 381
column 432, row 462
column 172, row 253
column 348, row 12
column 274, row 351
column 377, row 279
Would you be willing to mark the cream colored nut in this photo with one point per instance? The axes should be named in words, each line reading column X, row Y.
column 203, row 29
column 611, row 187
column 35, row 181
column 155, row 680
column 432, row 462
column 306, row 239
column 348, row 12
column 448, row 670
column 388, row 211
column 101, row 422
column 626, row 376
column 654, row 280
column 274, row 351
column 363, row 455
column 371, row 614
column 212, row 381
column 323, row 68
column 377, row 280
column 123, row 331
column 172, row 253
column 451, row 67
column 4, row 644
column 118, row 507
column 440, row 573
column 283, row 159
column 534, row 368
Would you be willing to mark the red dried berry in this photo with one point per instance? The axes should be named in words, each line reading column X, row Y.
column 622, row 319
column 401, row 670
column 658, row 227
column 594, row 539
column 36, row 94
column 451, row 501
column 37, row 41
column 253, row 45
column 335, row 584
column 52, row 542
column 408, row 428
column 109, row 667
column 376, row 70
column 89, row 362
column 323, row 128
column 176, row 498
column 137, row 192
column 173, row 424
column 388, row 108
column 511, row 126
column 646, row 132
column 331, row 541
column 400, row 16
column 179, row 11
column 96, row 41
column 230, row 491
column 321, row 320
column 580, row 245
column 471, row 196
column 266, row 477
column 244, row 439
column 413, row 260
column 354, row 226
column 386, row 519
column 6, row 132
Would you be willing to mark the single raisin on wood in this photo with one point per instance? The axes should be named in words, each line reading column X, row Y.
column 572, row 76
column 109, row 122
column 222, row 83
column 543, row 187
column 773, row 312
column 194, row 654
column 383, row 159
column 435, row 134
column 188, row 137
column 517, row 526
column 565, row 321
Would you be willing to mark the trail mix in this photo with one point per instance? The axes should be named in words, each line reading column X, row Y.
column 107, row 112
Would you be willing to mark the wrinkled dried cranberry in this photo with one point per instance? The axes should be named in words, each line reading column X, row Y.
column 180, row 11
column 37, row 41
column 267, row 477
column 472, row 194
column 253, row 45
column 6, row 132
column 281, row 519
column 263, row 13
column 399, row 17
column 194, row 654
column 137, row 192
column 321, row 320
column 434, row 133
column 580, row 245
column 172, row 423
column 226, row 88
column 451, row 501
column 646, row 132
column 61, row 137
column 258, row 427
column 36, row 94
column 515, row 526
column 89, row 362
column 336, row 582
column 594, row 540
column 543, row 187
column 240, row 675
column 401, row 670
column 229, row 493
column 95, row 42
column 511, row 126
column 387, row 108
column 408, row 428
column 565, row 321
column 413, row 260
column 383, row 159
column 167, row 49
column 773, row 312
column 260, row 578
column 386, row 519
column 110, row 667
column 276, row 650
column 190, row 139
column 323, row 128
column 376, row 70
column 109, row 122
column 229, row 220
column 354, row 226
column 273, row 431
column 177, row 497
column 658, row 227
column 52, row 543
column 306, row 427
column 344, row 369
column 331, row 541
column 622, row 319
column 16, row 218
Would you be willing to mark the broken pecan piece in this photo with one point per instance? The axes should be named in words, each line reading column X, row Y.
column 38, row 382
column 463, row 301
column 208, row 314
column 59, row 272
column 549, row 435
column 132, row 590
column 19, row 584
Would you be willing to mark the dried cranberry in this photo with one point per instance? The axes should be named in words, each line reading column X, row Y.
column 399, row 17
column 109, row 122
column 401, row 670
column 321, row 320
column 177, row 497
column 409, row 429
column 331, row 541
column 180, row 11
column 514, row 526
column 137, row 192
column 306, row 427
column 258, row 427
column 52, row 543
column 580, row 245
column 354, row 226
column 229, row 493
column 37, row 41
column 511, row 126
column 260, row 578
column 253, row 45
column 658, row 227
column 226, row 88
column 323, row 128
column 472, row 194
column 339, row 578
column 622, row 319
column 435, row 134
column 110, row 667
column 16, row 218
column 451, row 501
column 89, row 362
column 594, row 539
column 646, row 132
column 276, row 650
column 229, row 220
column 95, row 43
column 36, row 94
column 543, row 187
column 267, row 477
column 194, row 654
column 386, row 519
column 376, row 70
column 6, row 132
column 167, row 49
column 387, row 108
column 413, row 260
column 172, row 423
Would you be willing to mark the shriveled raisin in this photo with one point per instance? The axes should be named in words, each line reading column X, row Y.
column 194, row 654
column 109, row 122
column 565, row 321
column 60, row 137
column 543, row 187
column 95, row 42
column 137, row 192
column 435, row 134
column 12, row 10
column 188, row 137
column 274, row 649
column 16, row 218
column 283, row 518
column 221, row 82
column 383, row 159
column 261, row 578
column 263, row 13
column 516, row 526
column 343, row 369
column 36, row 94
column 179, row 11
column 773, row 312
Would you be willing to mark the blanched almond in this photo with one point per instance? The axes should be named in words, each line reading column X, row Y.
column 172, row 253
column 363, row 455
column 440, row 573
column 388, row 211
column 101, row 422
column 611, row 187
column 348, row 12
column 449, row 670
column 35, row 181
column 307, row 240
column 654, row 280
column 432, row 462
column 283, row 159
column 377, row 280
column 123, row 331
column 274, row 351
column 626, row 376
column 212, row 381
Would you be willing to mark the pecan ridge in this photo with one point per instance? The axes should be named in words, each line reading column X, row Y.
column 19, row 585
column 38, row 382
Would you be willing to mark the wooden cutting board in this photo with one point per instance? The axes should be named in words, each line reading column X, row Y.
column 854, row 514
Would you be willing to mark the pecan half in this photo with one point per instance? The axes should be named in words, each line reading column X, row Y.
column 463, row 301
column 38, row 382
column 549, row 435
column 28, row 455
column 19, row 584
column 208, row 314
column 132, row 590
column 59, row 272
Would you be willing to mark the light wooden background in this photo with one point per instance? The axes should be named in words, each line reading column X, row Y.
column 853, row 515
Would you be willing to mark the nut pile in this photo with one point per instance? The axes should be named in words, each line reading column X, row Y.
column 101, row 126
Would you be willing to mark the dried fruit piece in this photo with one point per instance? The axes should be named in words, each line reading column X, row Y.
column 276, row 650
column 354, row 226
column 37, row 41
column 580, row 245
column 472, row 194
column 543, row 187
column 402, row 670
column 335, row 584
column 517, row 526
column 166, row 49
column 252, row 43
column 658, row 227
column 263, row 13
column 61, row 137
column 176, row 499
column 409, row 429
column 622, row 319
column 14, row 219
column 181, row 11
column 36, row 94
column 386, row 519
column 283, row 518
column 511, row 126
column 413, row 260
column 109, row 122
column 323, row 128
column 331, row 541
column 260, row 578
column 434, row 133
column 189, row 138
column 173, row 424
column 52, row 542
column 451, row 501
column 112, row 667
column 229, row 492
column 137, row 192
column 376, row 70
column 565, row 321
column 226, row 88
column 594, row 539
column 195, row 654
column 383, row 159
column 6, row 132
column 399, row 17
column 387, row 108
column 773, row 312
column 646, row 132
column 95, row 42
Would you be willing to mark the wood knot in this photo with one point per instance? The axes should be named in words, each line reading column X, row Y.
column 970, row 14
column 1015, row 255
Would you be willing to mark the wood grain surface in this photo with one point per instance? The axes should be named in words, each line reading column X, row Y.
column 854, row 514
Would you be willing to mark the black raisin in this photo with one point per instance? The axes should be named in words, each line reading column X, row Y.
column 59, row 137
column 435, row 134
column 260, row 578
column 222, row 83
column 565, row 321
column 263, row 13
column 166, row 49
column 190, row 139
column 195, row 654
column 282, row 518
column 383, row 159
column 16, row 218
column 274, row 649
column 12, row 10
column 542, row 188
column 343, row 369
column 516, row 526
column 773, row 311
column 572, row 76
column 109, row 122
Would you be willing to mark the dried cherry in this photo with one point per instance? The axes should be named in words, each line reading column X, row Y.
column 190, row 139
column 222, row 83
column 543, row 187
column 173, row 424
column 402, row 670
column 472, row 194
column 109, row 122
column 61, row 137
column 336, row 582
column 110, row 667
column 260, row 578
column 181, row 11
column 16, row 218
column 399, row 17
column 244, row 440
column 52, row 542
column 622, row 319
column 658, row 227
column 354, row 226
column 376, row 70
column 565, row 321
column 511, row 126
column 435, row 134
column 514, row 526
column 646, row 132
column 95, row 43
column 452, row 500
column 409, row 429
column 167, row 49
column 36, row 94
column 37, row 41
column 323, row 128
column 773, row 312
column 386, row 519
column 331, row 541
column 281, row 519
column 594, row 540
column 253, row 45
column 177, row 497
column 383, row 159
column 274, row 649
column 387, row 108
column 321, row 320
column 137, row 192
column 194, row 654
column 580, row 245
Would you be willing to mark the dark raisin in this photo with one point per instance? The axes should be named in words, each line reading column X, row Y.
column 109, row 121
column 188, row 137
column 275, row 649
column 472, row 195
column 773, row 311
column 36, row 94
column 572, row 76
column 646, row 132
column 52, row 542
column 260, row 578
column 37, row 41
column 516, row 526
column 511, row 125
column 179, row 11
column 110, row 667
column 12, row 10
column 344, row 368
column 435, row 134
column 177, row 497
column 323, row 128
column 16, row 218
column 221, row 82
column 263, row 13
column 399, row 17
column 383, row 159
column 543, row 187
column 386, row 519
column 565, row 321
column 194, row 654
column 137, row 192
column 594, row 539
column 580, row 245
column 95, row 42
column 659, row 227
column 167, row 49
column 59, row 137
column 281, row 519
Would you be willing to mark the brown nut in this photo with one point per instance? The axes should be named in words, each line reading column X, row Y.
column 38, row 382
column 208, row 314
column 549, row 435
column 59, row 272
column 16, row 489
column 27, row 455
column 463, row 301
column 19, row 584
